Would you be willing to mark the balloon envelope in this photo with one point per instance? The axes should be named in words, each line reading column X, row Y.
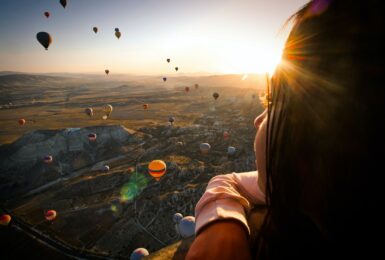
column 89, row 111
column 205, row 147
column 168, row 60
column 171, row 119
column 44, row 39
column 46, row 14
column 48, row 159
column 215, row 95
column 226, row 135
column 157, row 169
column 92, row 137
column 116, row 29
column 187, row 89
column 177, row 218
column 139, row 253
column 231, row 150
column 5, row 219
column 164, row 79
column 63, row 3
column 145, row 106
column 107, row 71
column 176, row 68
column 187, row 226
column 108, row 109
column 50, row 215
column 105, row 168
column 118, row 34
column 21, row 121
column 95, row 29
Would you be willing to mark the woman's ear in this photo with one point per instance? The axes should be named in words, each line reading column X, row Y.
column 259, row 119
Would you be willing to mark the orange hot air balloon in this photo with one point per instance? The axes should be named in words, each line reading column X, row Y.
column 187, row 89
column 50, row 215
column 145, row 106
column 5, row 219
column 46, row 14
column 21, row 121
column 157, row 169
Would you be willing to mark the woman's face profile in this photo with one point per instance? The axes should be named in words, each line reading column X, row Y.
column 260, row 124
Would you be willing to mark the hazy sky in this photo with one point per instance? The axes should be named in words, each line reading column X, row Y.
column 212, row 36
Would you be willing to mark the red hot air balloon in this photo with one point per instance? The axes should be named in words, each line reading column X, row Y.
column 92, row 137
column 46, row 14
column 21, row 121
column 5, row 219
column 226, row 135
column 50, row 215
column 145, row 106
column 187, row 89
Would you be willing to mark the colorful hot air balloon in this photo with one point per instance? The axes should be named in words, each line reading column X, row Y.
column 177, row 218
column 118, row 34
column 92, row 137
column 226, row 135
column 95, row 29
column 5, row 219
column 50, row 215
column 196, row 86
column 231, row 150
column 215, row 95
column 108, row 109
column 205, row 148
column 63, row 3
column 164, row 79
column 187, row 89
column 89, row 111
column 46, row 14
column 44, row 39
column 168, row 60
column 139, row 253
column 187, row 227
column 176, row 68
column 105, row 168
column 48, row 159
column 107, row 71
column 157, row 169
column 21, row 121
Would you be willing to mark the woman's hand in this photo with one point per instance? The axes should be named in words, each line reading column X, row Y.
column 224, row 239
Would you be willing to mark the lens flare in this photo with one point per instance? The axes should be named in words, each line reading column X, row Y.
column 133, row 188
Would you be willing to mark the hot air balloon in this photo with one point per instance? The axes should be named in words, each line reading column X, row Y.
column 145, row 106
column 226, row 135
column 196, row 86
column 5, row 219
column 139, row 253
column 21, row 121
column 231, row 150
column 63, row 3
column 177, row 218
column 95, row 29
column 50, row 215
column 105, row 168
column 157, row 169
column 89, row 111
column 118, row 34
column 205, row 148
column 116, row 29
column 179, row 144
column 108, row 109
column 215, row 95
column 48, row 159
column 187, row 89
column 171, row 119
column 164, row 79
column 168, row 60
column 104, row 117
column 46, row 14
column 187, row 227
column 44, row 39
column 92, row 137
column 176, row 68
column 131, row 169
column 107, row 71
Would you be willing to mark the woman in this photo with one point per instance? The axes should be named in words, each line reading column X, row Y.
column 318, row 148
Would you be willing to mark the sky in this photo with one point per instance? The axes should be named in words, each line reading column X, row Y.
column 199, row 36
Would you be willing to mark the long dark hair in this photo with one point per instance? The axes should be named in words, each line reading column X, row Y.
column 325, row 186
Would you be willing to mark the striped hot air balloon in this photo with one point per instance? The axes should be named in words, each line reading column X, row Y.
column 157, row 169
